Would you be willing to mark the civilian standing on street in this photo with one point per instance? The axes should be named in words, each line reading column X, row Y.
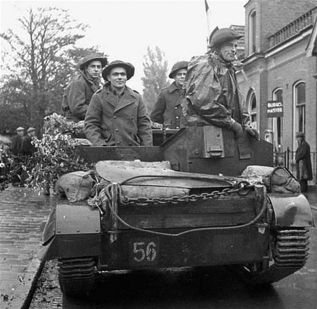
column 17, row 141
column 28, row 148
column 212, row 91
column 167, row 110
column 79, row 91
column 303, row 162
column 116, row 115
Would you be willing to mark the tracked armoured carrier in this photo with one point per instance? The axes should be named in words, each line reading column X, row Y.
column 213, row 216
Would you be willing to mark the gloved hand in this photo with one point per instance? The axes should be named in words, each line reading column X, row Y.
column 236, row 127
column 252, row 132
column 156, row 125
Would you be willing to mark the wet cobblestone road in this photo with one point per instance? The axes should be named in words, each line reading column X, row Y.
column 23, row 213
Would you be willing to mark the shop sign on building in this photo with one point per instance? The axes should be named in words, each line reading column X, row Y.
column 274, row 109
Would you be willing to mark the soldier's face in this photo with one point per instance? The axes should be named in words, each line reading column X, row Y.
column 228, row 50
column 94, row 69
column 180, row 77
column 20, row 132
column 118, row 77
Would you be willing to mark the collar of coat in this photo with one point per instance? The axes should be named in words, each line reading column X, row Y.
column 127, row 90
column 173, row 87
column 95, row 82
column 222, row 66
column 129, row 97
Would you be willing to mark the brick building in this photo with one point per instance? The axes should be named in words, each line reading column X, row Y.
column 280, row 65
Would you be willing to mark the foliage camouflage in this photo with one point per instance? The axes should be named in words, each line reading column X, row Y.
column 55, row 155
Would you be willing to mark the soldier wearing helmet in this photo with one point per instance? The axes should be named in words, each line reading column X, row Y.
column 212, row 90
column 167, row 110
column 116, row 115
column 79, row 91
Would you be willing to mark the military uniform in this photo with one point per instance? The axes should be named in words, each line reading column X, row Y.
column 78, row 93
column 167, row 109
column 77, row 96
column 213, row 93
column 113, row 120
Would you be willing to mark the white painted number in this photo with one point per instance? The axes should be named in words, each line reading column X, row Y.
column 138, row 251
column 143, row 252
column 151, row 251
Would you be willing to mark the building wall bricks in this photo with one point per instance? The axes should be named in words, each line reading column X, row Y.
column 273, row 15
column 282, row 64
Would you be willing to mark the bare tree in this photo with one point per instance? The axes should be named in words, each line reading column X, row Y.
column 38, row 60
column 155, row 75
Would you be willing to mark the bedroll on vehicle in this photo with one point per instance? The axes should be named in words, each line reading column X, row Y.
column 183, row 203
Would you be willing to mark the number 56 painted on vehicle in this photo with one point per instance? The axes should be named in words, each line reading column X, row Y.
column 143, row 252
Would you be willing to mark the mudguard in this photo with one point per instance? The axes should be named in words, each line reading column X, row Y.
column 72, row 230
column 50, row 228
column 74, row 219
column 291, row 210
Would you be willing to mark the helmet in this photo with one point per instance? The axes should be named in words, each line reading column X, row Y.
column 220, row 36
column 121, row 64
column 178, row 66
column 92, row 57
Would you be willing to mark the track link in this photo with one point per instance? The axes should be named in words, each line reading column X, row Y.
column 290, row 248
column 77, row 276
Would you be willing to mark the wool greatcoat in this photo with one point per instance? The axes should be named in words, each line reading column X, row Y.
column 77, row 96
column 117, row 121
column 303, row 162
column 167, row 109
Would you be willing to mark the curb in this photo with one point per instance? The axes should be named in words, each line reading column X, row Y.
column 24, row 292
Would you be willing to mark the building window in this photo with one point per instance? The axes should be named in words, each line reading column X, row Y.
column 300, row 104
column 277, row 122
column 252, row 32
column 252, row 109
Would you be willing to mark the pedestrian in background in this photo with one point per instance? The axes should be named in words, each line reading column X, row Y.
column 303, row 162
column 17, row 142
column 167, row 110
column 79, row 91
column 28, row 148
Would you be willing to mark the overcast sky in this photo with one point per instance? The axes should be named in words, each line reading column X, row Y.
column 124, row 29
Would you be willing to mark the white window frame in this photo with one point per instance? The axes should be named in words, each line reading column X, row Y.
column 275, row 124
column 253, row 112
column 252, row 32
column 296, row 107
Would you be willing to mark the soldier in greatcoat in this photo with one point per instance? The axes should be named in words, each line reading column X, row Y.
column 167, row 110
column 116, row 115
column 303, row 162
column 79, row 91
